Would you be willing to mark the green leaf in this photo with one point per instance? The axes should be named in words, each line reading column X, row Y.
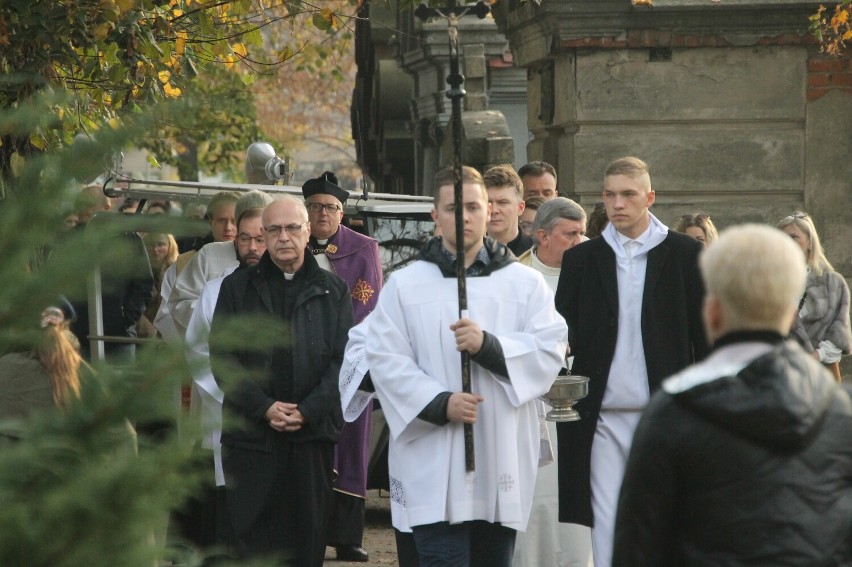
column 320, row 22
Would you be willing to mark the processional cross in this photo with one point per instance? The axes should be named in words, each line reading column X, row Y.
column 455, row 93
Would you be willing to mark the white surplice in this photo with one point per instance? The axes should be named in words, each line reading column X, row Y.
column 353, row 400
column 214, row 260
column 163, row 321
column 207, row 397
column 546, row 540
column 412, row 358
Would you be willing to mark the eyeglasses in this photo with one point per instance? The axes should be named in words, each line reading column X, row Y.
column 245, row 239
column 292, row 229
column 526, row 227
column 698, row 217
column 317, row 207
column 798, row 215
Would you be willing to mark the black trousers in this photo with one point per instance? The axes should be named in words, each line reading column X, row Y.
column 278, row 502
column 406, row 550
column 202, row 521
column 346, row 524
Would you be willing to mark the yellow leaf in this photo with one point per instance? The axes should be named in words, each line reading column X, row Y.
column 848, row 35
column 107, row 99
column 100, row 32
column 135, row 91
column 180, row 43
column 37, row 141
column 327, row 15
column 173, row 3
column 153, row 161
column 177, row 12
column 164, row 76
column 240, row 49
column 171, row 92
column 125, row 5
column 843, row 16
column 114, row 123
column 229, row 61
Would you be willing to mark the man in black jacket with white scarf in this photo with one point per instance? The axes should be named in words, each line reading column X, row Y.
column 632, row 301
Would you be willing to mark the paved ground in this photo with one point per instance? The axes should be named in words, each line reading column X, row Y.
column 378, row 534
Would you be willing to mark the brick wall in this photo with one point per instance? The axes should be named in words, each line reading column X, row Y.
column 826, row 74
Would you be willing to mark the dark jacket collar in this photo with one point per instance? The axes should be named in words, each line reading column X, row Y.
column 498, row 257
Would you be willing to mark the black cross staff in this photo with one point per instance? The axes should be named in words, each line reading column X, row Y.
column 455, row 93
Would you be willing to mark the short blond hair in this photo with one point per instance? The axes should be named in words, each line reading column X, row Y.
column 219, row 199
column 446, row 176
column 631, row 167
column 758, row 275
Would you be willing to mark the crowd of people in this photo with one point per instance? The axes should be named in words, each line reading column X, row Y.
column 716, row 429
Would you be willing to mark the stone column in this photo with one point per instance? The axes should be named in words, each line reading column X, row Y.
column 424, row 54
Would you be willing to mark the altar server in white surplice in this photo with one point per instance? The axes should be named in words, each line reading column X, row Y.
column 517, row 342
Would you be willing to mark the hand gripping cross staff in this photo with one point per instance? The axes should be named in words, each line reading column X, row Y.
column 455, row 93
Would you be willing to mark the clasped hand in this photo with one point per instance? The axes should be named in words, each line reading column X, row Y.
column 284, row 417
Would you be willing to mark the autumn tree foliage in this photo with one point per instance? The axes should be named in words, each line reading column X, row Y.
column 833, row 27
column 307, row 99
column 84, row 64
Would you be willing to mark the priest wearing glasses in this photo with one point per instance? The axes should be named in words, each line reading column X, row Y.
column 354, row 258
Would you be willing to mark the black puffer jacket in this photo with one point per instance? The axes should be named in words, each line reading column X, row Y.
column 741, row 461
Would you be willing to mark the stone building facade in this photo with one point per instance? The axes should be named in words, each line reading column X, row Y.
column 400, row 113
column 730, row 102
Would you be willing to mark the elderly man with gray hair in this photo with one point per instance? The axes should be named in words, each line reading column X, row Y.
column 746, row 457
column 559, row 224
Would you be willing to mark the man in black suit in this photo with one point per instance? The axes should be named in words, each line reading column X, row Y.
column 632, row 299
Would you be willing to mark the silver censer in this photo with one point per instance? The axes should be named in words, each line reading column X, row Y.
column 563, row 394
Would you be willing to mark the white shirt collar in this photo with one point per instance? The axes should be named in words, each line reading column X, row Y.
column 651, row 237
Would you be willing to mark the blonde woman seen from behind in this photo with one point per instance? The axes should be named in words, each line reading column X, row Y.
column 46, row 376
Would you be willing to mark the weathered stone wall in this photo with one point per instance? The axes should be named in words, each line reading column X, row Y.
column 734, row 108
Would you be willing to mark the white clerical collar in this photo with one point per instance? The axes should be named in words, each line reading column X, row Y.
column 322, row 241
column 541, row 266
